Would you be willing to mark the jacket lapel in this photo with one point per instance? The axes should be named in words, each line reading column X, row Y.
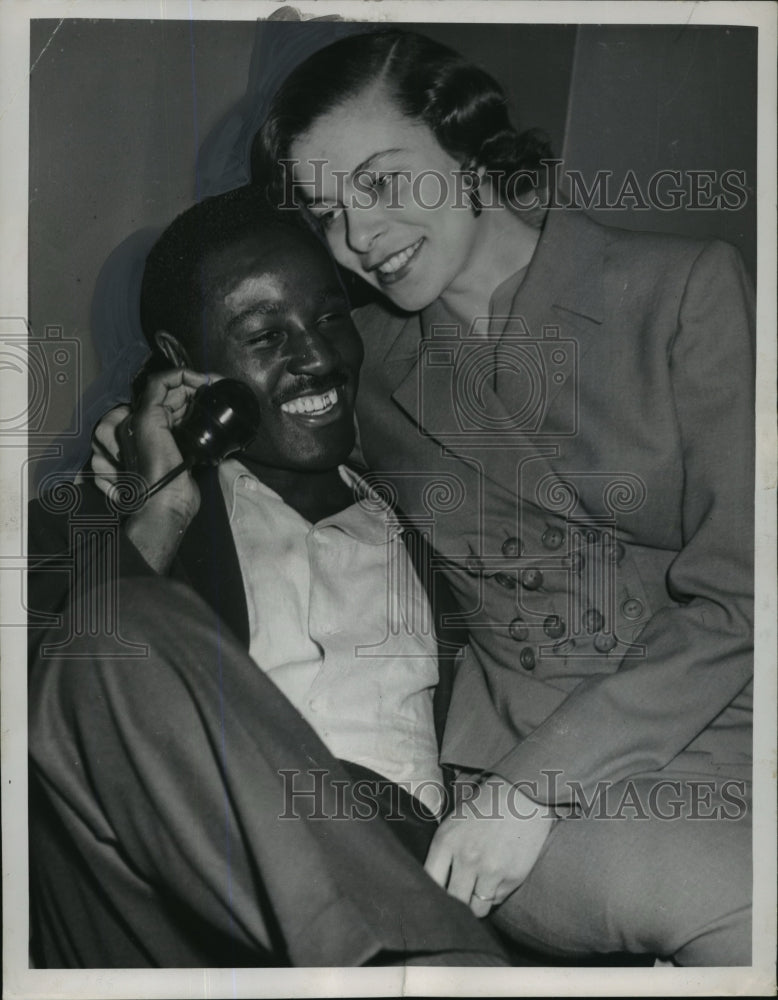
column 208, row 558
column 477, row 411
column 564, row 283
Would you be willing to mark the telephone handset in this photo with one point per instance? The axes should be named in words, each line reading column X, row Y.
column 223, row 419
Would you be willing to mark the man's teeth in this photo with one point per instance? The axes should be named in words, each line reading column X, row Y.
column 311, row 404
column 398, row 260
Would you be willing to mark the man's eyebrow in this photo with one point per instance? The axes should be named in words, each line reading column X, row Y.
column 267, row 308
column 331, row 294
column 255, row 309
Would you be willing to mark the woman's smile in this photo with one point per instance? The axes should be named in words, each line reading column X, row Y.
column 395, row 267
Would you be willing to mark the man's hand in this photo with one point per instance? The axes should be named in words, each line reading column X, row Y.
column 151, row 450
column 148, row 441
column 487, row 847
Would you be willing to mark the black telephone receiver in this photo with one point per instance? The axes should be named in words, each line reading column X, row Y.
column 223, row 419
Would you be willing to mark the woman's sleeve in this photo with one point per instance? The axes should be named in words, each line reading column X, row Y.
column 699, row 654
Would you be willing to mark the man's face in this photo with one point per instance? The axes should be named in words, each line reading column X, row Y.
column 276, row 317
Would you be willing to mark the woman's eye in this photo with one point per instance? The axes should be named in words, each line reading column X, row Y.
column 380, row 182
column 326, row 216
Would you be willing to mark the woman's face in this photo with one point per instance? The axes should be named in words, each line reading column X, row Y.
column 392, row 201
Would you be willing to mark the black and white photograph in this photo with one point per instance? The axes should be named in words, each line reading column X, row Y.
column 388, row 451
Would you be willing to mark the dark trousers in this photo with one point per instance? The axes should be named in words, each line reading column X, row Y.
column 163, row 831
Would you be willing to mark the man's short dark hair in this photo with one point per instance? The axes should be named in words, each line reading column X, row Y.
column 172, row 291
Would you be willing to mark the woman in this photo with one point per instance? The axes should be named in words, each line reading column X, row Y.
column 569, row 415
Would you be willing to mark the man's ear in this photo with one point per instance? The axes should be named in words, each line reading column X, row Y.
column 172, row 348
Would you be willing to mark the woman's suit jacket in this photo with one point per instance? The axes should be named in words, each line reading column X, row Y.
column 584, row 468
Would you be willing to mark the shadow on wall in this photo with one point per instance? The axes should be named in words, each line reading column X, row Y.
column 222, row 165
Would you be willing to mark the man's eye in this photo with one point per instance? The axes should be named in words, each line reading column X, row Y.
column 264, row 338
column 332, row 317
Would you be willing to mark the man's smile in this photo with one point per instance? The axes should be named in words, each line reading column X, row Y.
column 312, row 405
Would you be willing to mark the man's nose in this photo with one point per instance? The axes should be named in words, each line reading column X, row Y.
column 312, row 353
column 363, row 227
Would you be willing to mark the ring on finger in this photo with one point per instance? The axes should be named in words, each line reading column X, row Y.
column 484, row 899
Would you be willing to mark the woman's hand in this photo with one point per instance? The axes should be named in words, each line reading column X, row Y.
column 106, row 456
column 488, row 846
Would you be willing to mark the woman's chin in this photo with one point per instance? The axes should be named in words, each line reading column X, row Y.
column 411, row 298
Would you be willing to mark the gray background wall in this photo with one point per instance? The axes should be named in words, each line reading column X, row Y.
column 652, row 98
column 119, row 109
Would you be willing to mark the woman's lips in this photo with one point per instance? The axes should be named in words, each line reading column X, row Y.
column 396, row 267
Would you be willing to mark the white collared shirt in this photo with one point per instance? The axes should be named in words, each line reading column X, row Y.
column 340, row 622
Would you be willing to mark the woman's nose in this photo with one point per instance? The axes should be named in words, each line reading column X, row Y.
column 312, row 354
column 363, row 226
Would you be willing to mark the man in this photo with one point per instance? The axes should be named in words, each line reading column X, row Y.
column 235, row 604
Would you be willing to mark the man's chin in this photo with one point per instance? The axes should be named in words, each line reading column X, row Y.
column 324, row 461
column 314, row 457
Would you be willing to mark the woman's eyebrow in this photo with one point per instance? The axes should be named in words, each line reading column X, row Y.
column 366, row 164
column 315, row 202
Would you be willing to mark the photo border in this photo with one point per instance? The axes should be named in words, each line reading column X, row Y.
column 20, row 981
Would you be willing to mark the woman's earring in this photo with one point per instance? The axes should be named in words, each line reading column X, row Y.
column 475, row 200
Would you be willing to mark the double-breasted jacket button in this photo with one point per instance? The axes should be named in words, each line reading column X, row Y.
column 512, row 547
column 518, row 630
column 474, row 565
column 531, row 579
column 604, row 642
column 527, row 658
column 632, row 608
column 554, row 627
column 616, row 552
column 507, row 580
column 593, row 620
column 553, row 538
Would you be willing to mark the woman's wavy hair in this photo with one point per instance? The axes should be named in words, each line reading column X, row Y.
column 464, row 106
